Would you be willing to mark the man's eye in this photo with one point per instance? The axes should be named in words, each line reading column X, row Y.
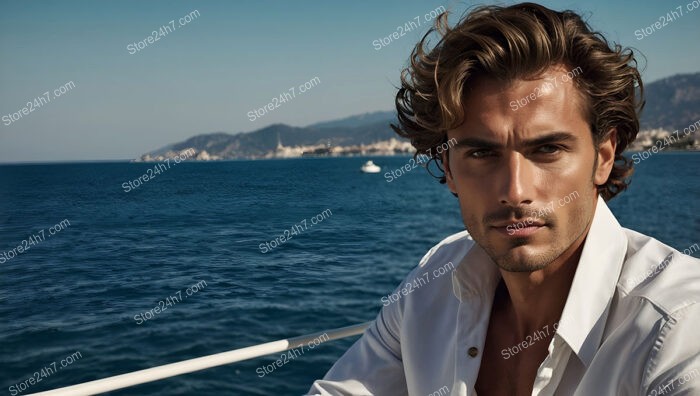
column 548, row 149
column 481, row 153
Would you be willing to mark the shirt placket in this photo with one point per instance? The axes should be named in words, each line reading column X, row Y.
column 472, row 325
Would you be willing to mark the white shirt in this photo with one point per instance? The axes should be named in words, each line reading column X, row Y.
column 630, row 326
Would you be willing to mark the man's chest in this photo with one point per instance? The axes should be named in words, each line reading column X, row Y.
column 509, row 366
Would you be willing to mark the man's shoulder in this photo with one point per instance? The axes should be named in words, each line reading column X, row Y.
column 659, row 274
column 653, row 319
column 452, row 248
column 441, row 260
column 657, row 314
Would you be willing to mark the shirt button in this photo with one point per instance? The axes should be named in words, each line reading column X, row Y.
column 473, row 351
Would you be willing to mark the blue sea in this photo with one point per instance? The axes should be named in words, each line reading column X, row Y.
column 87, row 286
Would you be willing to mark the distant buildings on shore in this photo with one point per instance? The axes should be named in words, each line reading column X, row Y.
column 645, row 140
column 387, row 147
column 664, row 138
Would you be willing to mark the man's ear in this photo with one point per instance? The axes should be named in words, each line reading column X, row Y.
column 448, row 172
column 606, row 158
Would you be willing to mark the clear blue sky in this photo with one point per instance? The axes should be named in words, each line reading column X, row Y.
column 234, row 57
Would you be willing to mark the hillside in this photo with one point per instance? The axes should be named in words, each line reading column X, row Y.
column 672, row 103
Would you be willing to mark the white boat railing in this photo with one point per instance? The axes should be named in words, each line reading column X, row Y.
column 188, row 366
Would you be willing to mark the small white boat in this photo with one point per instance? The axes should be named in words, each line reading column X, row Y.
column 370, row 167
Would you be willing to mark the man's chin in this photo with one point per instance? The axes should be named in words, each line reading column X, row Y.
column 520, row 253
column 522, row 258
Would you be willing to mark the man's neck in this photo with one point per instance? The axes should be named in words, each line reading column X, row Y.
column 533, row 300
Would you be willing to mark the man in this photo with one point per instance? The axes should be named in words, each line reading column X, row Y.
column 549, row 295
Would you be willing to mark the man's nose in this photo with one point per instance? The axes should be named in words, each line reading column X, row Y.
column 516, row 181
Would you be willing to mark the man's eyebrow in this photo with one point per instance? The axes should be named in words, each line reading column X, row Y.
column 476, row 142
column 553, row 137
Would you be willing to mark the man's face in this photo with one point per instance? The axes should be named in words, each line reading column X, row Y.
column 525, row 170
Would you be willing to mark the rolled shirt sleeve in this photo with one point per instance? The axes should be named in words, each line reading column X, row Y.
column 373, row 365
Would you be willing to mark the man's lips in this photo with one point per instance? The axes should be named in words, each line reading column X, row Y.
column 525, row 222
column 518, row 228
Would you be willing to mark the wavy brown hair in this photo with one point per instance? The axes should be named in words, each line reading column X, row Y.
column 519, row 42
